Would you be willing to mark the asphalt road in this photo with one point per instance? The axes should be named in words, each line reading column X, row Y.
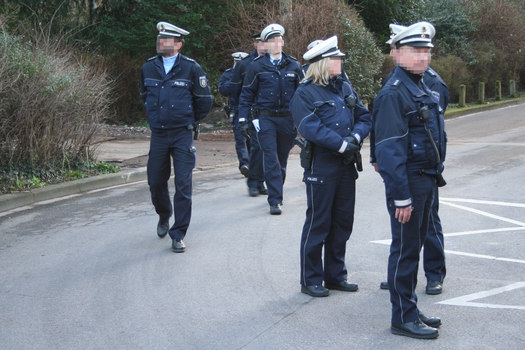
column 88, row 272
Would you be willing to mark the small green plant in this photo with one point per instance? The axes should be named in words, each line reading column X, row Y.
column 75, row 175
column 36, row 182
column 106, row 168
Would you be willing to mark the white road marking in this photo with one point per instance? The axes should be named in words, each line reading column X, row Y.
column 476, row 201
column 466, row 300
column 484, row 213
column 455, row 252
column 474, row 232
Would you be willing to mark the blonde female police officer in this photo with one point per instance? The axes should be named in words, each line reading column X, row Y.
column 269, row 84
column 335, row 128
column 175, row 92
column 409, row 148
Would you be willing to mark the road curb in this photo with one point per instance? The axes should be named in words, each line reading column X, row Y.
column 15, row 200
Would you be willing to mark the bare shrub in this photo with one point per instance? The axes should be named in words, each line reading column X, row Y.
column 310, row 20
column 52, row 100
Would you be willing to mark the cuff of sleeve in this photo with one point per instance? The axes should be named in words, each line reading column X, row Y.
column 357, row 137
column 403, row 203
column 343, row 147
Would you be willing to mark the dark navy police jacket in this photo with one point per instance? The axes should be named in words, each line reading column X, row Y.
column 439, row 89
column 225, row 86
column 238, row 73
column 402, row 145
column 178, row 98
column 269, row 88
column 322, row 116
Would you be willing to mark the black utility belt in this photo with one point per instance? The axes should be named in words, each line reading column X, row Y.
column 273, row 114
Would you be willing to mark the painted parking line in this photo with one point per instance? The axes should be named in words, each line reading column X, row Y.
column 483, row 213
column 490, row 230
column 467, row 300
column 455, row 252
column 477, row 201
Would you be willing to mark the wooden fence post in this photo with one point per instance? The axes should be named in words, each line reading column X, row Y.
column 512, row 89
column 481, row 92
column 462, row 95
column 498, row 90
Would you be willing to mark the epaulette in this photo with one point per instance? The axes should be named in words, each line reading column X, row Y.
column 227, row 70
column 432, row 72
column 293, row 58
column 395, row 82
column 151, row 58
column 256, row 58
column 187, row 58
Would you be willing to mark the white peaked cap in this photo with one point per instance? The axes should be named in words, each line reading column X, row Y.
column 326, row 48
column 168, row 29
column 418, row 34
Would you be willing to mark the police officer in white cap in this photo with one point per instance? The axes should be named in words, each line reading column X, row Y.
column 269, row 84
column 331, row 117
column 434, row 250
column 409, row 149
column 255, row 180
column 225, row 88
column 176, row 95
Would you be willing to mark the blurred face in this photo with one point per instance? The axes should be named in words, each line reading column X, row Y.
column 334, row 66
column 414, row 59
column 260, row 46
column 168, row 46
column 275, row 45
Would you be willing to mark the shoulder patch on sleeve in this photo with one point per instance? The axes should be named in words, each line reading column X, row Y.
column 203, row 82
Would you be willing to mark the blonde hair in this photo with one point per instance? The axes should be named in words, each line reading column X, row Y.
column 318, row 72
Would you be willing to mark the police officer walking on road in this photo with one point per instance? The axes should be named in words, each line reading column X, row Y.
column 410, row 148
column 333, row 120
column 269, row 84
column 255, row 179
column 225, row 88
column 433, row 248
column 176, row 95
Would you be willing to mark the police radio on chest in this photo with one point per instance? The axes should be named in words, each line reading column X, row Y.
column 351, row 101
column 424, row 114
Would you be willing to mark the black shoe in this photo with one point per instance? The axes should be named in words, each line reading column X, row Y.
column 178, row 246
column 163, row 228
column 416, row 329
column 433, row 322
column 315, row 291
column 383, row 285
column 244, row 170
column 263, row 190
column 343, row 286
column 253, row 191
column 275, row 209
column 434, row 287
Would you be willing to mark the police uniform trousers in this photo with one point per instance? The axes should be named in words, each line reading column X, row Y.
column 330, row 192
column 256, row 173
column 241, row 144
column 178, row 144
column 434, row 249
column 407, row 240
column 276, row 138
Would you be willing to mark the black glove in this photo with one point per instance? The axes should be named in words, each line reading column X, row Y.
column 352, row 147
column 244, row 126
